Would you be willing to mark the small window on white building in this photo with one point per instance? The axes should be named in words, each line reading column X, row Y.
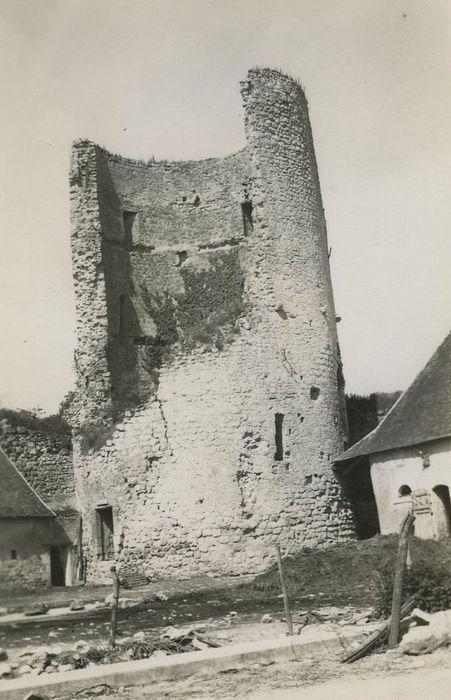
column 404, row 491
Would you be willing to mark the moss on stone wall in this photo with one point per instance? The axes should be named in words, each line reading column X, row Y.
column 212, row 302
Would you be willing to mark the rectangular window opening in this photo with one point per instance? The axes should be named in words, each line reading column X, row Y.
column 246, row 211
column 13, row 554
column 105, row 533
column 278, row 423
column 122, row 323
column 128, row 220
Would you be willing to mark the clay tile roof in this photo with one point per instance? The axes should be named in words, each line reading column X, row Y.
column 17, row 498
column 422, row 413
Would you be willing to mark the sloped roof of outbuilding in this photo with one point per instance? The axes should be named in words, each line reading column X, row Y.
column 17, row 498
column 421, row 414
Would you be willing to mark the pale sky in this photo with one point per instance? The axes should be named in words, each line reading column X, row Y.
column 160, row 77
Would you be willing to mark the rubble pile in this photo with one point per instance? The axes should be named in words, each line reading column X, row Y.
column 57, row 659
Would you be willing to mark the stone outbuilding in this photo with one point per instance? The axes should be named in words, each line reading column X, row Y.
column 44, row 460
column 35, row 549
column 408, row 456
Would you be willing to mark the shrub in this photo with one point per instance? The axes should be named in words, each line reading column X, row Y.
column 55, row 426
column 430, row 586
column 94, row 437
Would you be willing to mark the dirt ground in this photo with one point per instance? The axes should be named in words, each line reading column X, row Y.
column 295, row 674
column 62, row 597
column 344, row 576
column 340, row 575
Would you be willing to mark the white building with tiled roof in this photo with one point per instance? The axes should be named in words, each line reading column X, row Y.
column 35, row 549
column 409, row 453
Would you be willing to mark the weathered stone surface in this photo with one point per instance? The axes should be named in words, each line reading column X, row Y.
column 23, row 670
column 424, row 639
column 38, row 609
column 5, row 669
column 65, row 667
column 44, row 460
column 122, row 602
column 209, row 402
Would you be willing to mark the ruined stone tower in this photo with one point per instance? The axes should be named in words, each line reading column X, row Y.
column 209, row 403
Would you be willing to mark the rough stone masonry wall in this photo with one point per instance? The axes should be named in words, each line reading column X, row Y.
column 45, row 461
column 31, row 574
column 29, row 539
column 199, row 320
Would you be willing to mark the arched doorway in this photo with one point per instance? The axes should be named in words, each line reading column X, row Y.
column 441, row 510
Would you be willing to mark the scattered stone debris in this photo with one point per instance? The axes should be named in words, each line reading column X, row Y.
column 420, row 617
column 5, row 669
column 75, row 606
column 347, row 615
column 23, row 670
column 425, row 638
column 38, row 609
column 267, row 618
column 58, row 659
column 122, row 602
column 171, row 633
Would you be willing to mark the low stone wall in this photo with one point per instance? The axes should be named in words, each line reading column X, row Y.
column 30, row 574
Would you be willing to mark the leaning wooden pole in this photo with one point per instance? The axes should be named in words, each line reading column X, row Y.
column 400, row 568
column 283, row 585
column 114, row 605
column 378, row 636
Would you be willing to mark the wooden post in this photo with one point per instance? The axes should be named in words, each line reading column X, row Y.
column 400, row 567
column 283, row 585
column 114, row 604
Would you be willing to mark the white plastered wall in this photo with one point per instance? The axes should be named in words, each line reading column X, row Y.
column 406, row 467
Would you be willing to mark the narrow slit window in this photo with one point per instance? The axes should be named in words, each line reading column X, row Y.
column 246, row 211
column 128, row 221
column 278, row 424
column 122, row 325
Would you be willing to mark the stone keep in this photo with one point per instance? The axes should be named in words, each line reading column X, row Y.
column 209, row 404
